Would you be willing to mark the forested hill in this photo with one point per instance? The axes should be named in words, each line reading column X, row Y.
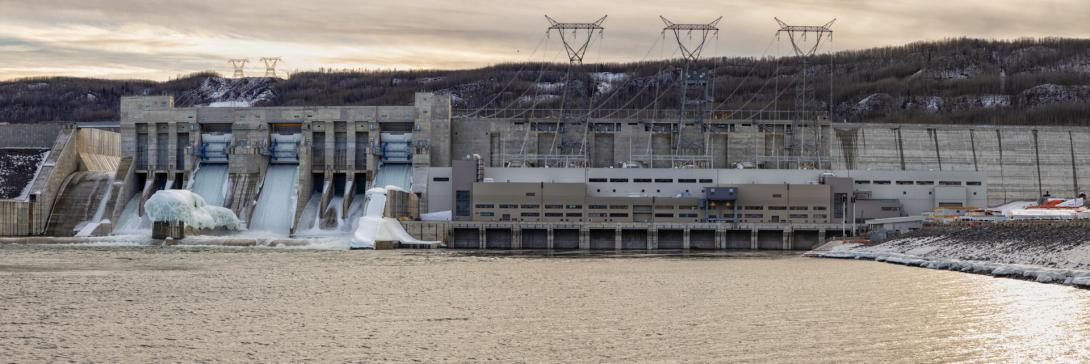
column 1037, row 82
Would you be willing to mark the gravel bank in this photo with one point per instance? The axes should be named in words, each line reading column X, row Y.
column 1046, row 253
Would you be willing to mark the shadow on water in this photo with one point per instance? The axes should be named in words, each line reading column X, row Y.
column 627, row 254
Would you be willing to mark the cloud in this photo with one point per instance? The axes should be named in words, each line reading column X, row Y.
column 159, row 39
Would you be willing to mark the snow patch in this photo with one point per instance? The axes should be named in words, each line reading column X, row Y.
column 231, row 104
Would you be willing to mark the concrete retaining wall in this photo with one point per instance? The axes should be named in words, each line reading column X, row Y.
column 1021, row 162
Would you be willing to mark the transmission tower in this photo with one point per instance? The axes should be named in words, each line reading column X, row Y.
column 239, row 64
column 270, row 65
column 693, row 87
column 805, row 41
column 691, row 52
column 576, row 46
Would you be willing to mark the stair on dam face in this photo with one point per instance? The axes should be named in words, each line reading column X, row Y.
column 79, row 200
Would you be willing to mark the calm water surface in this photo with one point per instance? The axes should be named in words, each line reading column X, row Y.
column 150, row 304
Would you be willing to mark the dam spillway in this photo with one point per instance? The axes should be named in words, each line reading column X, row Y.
column 274, row 209
column 83, row 195
column 210, row 182
column 336, row 153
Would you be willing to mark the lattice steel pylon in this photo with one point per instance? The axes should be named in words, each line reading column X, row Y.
column 240, row 65
column 576, row 46
column 691, row 52
column 270, row 65
column 800, row 37
column 694, row 90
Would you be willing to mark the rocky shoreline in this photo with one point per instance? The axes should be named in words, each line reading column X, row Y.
column 1056, row 253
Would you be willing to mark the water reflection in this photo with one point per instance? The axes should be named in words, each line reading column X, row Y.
column 1037, row 319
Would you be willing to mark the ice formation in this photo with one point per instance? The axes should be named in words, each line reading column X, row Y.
column 374, row 226
column 189, row 207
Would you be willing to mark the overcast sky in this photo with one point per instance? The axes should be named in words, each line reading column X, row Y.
column 153, row 39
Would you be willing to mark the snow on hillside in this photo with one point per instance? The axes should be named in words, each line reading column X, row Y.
column 231, row 92
column 606, row 80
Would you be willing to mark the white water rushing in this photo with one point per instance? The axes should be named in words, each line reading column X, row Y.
column 276, row 202
column 209, row 181
column 88, row 227
column 130, row 222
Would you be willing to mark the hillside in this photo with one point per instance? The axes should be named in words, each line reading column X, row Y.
column 1043, row 82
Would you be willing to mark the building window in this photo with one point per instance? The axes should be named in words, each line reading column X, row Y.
column 618, row 215
column 619, row 180
column 530, row 206
column 798, row 216
column 821, row 216
column 862, row 182
column 461, row 203
column 881, row 182
column 487, row 214
column 891, row 208
column 598, row 207
column 485, row 206
column 508, row 206
column 531, row 194
column 598, row 180
column 950, row 183
column 925, row 183
column 441, row 179
column 973, row 183
column 618, row 207
column 664, row 215
column 686, row 180
column 575, row 214
column 574, row 206
column 753, row 208
column 530, row 214
column 686, row 216
column 554, row 206
column 799, row 208
column 777, row 208
column 642, row 180
column 664, row 180
column 904, row 182
column 754, row 216
column 776, row 195
column 705, row 180
column 554, row 214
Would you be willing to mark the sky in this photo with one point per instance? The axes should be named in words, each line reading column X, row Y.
column 159, row 40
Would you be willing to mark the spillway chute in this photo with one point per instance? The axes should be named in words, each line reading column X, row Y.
column 275, row 206
column 210, row 182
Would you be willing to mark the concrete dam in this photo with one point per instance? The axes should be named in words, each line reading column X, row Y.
column 534, row 180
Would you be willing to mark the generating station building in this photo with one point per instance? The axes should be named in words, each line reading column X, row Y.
column 526, row 179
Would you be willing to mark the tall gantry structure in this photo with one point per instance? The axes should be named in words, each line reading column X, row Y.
column 694, row 88
column 576, row 46
column 563, row 151
column 270, row 65
column 239, row 64
column 805, row 42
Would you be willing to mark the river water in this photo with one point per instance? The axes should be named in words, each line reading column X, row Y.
column 138, row 304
